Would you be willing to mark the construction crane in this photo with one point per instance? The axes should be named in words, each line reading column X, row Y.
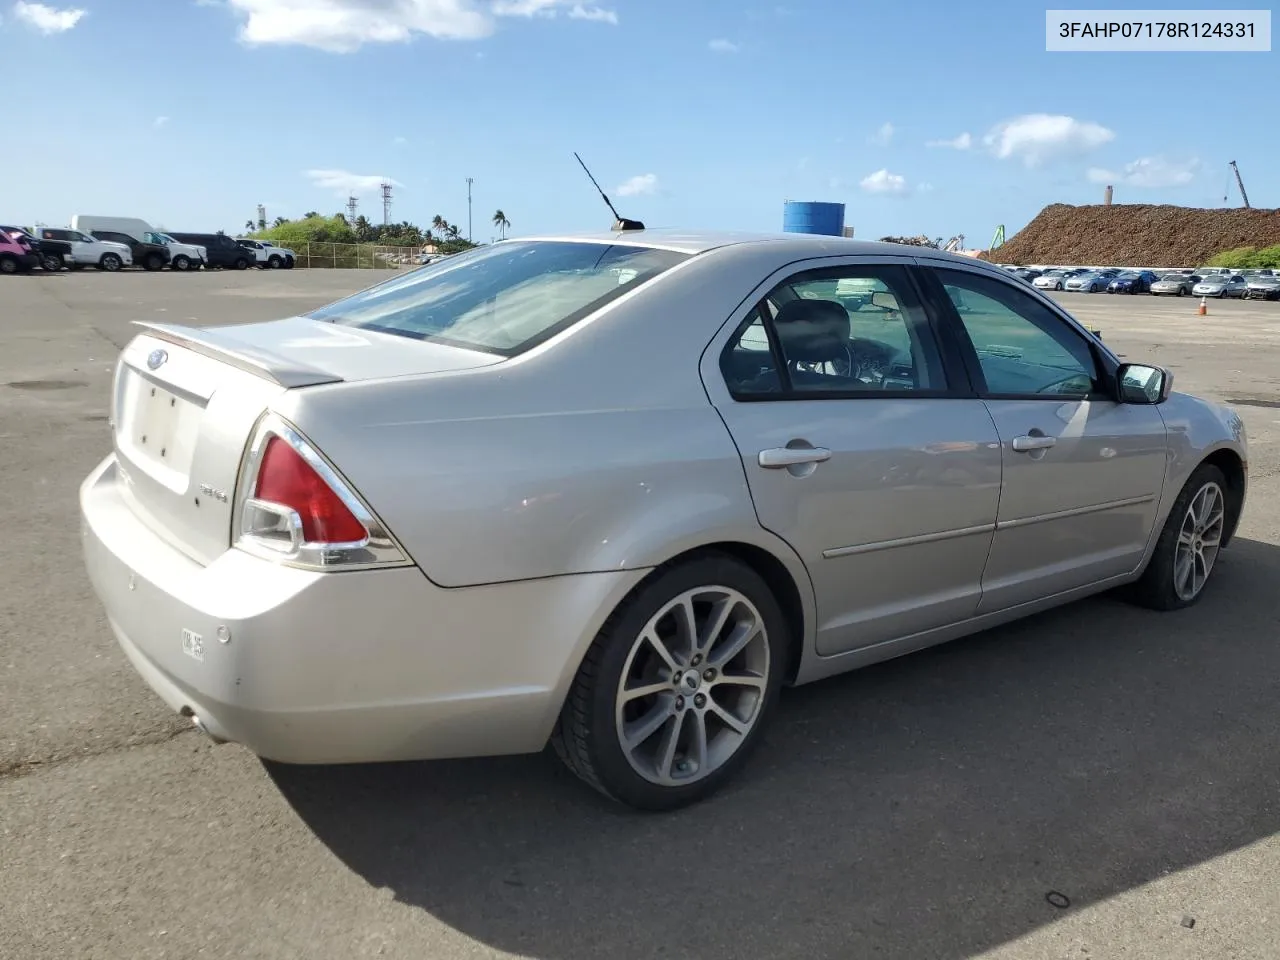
column 998, row 239
column 1239, row 183
column 954, row 244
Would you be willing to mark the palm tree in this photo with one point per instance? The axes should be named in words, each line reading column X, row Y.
column 502, row 223
column 309, row 214
column 453, row 231
column 248, row 225
column 439, row 224
column 279, row 221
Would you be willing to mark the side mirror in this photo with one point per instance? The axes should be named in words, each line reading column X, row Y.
column 1141, row 383
column 884, row 300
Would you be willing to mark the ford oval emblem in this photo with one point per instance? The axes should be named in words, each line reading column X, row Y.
column 156, row 360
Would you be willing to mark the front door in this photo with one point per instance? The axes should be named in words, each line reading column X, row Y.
column 1083, row 474
column 863, row 451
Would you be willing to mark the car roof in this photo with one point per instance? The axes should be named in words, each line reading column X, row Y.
column 800, row 245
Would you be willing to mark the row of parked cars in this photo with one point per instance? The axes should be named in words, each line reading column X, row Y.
column 114, row 243
column 1216, row 282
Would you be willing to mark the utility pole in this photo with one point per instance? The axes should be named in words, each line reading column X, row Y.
column 470, row 181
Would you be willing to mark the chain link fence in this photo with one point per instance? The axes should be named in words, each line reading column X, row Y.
column 355, row 256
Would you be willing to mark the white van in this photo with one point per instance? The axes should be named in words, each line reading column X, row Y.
column 183, row 256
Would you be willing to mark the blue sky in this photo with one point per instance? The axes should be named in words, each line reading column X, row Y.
column 691, row 113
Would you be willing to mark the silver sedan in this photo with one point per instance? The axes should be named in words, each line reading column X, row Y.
column 612, row 492
column 1222, row 286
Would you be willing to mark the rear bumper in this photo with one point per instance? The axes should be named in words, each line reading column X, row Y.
column 364, row 666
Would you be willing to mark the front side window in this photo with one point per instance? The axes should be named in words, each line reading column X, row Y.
column 840, row 331
column 503, row 298
column 1023, row 348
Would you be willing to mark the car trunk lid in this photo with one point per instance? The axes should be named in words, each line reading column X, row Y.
column 185, row 402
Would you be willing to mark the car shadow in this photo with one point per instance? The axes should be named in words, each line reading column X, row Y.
column 933, row 806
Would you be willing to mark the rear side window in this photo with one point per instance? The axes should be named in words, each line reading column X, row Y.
column 504, row 298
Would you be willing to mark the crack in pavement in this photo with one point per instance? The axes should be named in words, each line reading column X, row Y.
column 11, row 770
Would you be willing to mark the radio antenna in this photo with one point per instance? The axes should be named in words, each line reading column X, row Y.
column 619, row 223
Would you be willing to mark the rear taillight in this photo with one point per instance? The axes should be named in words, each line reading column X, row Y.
column 294, row 507
column 287, row 480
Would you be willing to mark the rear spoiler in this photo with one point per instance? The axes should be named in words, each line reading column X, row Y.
column 219, row 346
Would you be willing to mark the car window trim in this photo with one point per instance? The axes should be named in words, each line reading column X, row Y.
column 1105, row 364
column 959, row 383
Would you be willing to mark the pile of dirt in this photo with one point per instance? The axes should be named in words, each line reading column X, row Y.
column 1132, row 234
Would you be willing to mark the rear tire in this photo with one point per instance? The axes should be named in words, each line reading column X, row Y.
column 708, row 697
column 1189, row 546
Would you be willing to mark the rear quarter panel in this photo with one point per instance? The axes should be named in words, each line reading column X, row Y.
column 596, row 451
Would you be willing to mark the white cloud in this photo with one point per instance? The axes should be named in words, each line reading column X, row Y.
column 882, row 181
column 962, row 142
column 644, row 183
column 399, row 140
column 549, row 8
column 48, row 20
column 1038, row 138
column 884, row 135
column 344, row 184
column 161, row 121
column 1149, row 173
column 720, row 45
column 581, row 11
column 341, row 26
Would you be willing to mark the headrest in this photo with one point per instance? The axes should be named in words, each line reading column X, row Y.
column 813, row 331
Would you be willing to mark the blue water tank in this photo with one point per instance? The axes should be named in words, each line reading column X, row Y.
column 811, row 216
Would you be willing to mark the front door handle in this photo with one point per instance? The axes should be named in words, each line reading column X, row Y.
column 1028, row 444
column 780, row 457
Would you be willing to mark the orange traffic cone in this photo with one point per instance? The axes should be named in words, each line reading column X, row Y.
column 1204, row 306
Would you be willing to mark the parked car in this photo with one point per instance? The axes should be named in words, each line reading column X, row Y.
column 1221, row 286
column 1263, row 287
column 1054, row 279
column 613, row 492
column 267, row 255
column 1132, row 282
column 182, row 256
column 53, row 255
column 16, row 255
column 150, row 256
column 1086, row 283
column 89, row 251
column 220, row 250
column 1174, row 284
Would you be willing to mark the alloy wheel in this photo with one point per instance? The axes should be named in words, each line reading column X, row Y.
column 1199, row 540
column 692, row 686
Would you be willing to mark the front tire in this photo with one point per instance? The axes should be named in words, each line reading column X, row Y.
column 242, row 264
column 273, row 263
column 675, row 691
column 52, row 262
column 1187, row 551
column 181, row 262
column 110, row 262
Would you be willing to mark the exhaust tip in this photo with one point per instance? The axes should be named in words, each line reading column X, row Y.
column 199, row 725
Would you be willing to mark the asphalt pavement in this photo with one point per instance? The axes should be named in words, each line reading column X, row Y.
column 1099, row 781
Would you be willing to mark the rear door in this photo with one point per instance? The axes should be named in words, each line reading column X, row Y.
column 863, row 446
column 1083, row 474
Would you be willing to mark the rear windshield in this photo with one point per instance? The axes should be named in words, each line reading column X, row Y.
column 504, row 298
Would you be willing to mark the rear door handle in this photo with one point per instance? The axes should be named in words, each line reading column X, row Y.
column 780, row 457
column 1027, row 444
